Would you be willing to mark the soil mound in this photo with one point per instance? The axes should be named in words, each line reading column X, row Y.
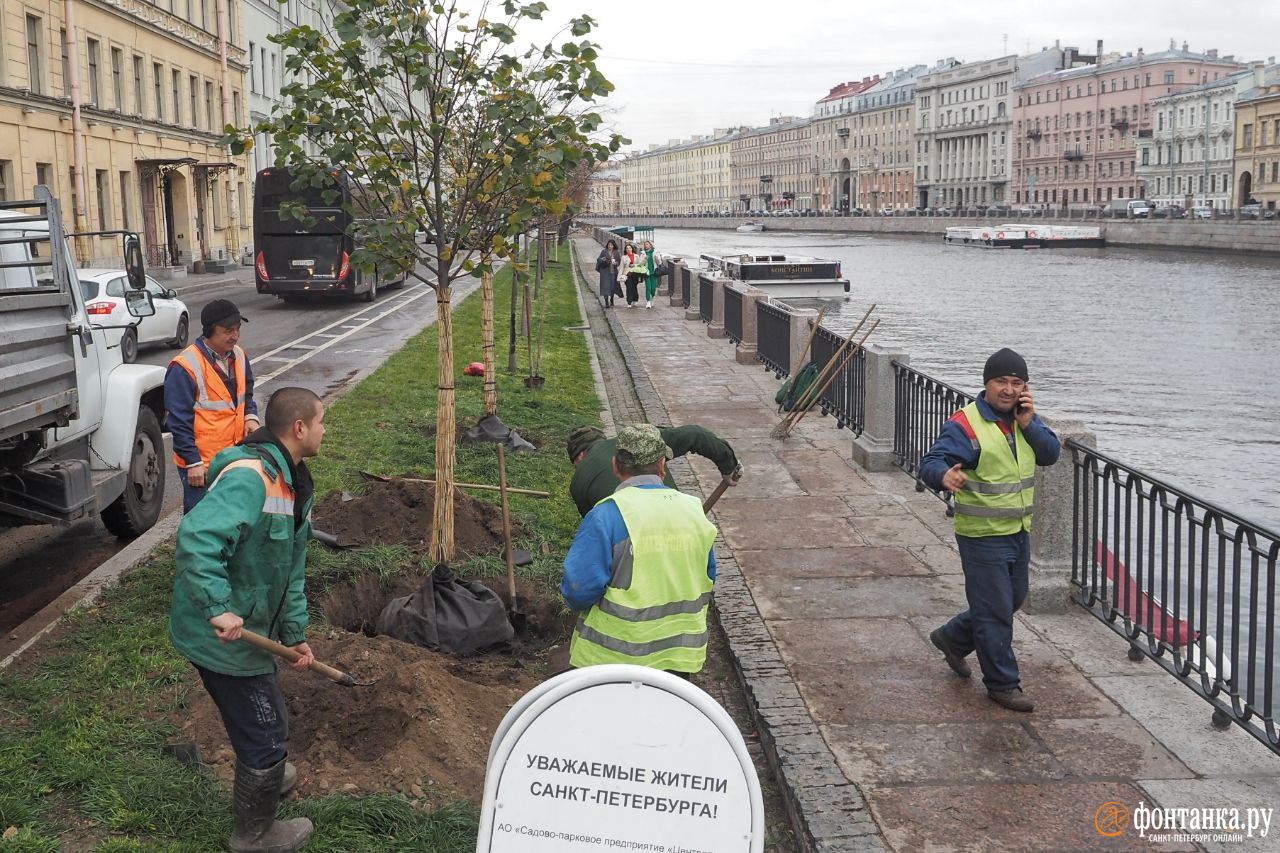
column 399, row 512
column 423, row 729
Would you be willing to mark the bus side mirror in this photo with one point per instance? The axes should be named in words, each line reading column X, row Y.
column 133, row 267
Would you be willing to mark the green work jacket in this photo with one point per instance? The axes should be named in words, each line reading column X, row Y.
column 238, row 551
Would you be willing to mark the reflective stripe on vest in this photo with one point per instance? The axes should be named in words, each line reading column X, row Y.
column 279, row 499
column 655, row 614
column 218, row 421
column 999, row 497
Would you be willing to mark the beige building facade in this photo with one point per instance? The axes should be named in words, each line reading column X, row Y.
column 774, row 167
column 681, row 177
column 119, row 111
column 604, row 192
column 1257, row 141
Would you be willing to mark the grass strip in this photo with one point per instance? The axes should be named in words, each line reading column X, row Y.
column 85, row 715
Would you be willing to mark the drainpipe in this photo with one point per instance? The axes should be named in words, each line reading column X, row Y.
column 233, row 203
column 84, row 248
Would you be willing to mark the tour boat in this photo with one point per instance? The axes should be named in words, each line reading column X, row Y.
column 750, row 227
column 1022, row 236
column 783, row 275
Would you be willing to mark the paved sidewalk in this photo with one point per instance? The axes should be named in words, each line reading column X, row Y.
column 833, row 579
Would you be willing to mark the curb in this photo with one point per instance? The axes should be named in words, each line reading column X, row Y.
column 827, row 812
column 89, row 588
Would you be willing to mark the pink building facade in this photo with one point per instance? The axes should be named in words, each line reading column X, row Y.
column 1076, row 131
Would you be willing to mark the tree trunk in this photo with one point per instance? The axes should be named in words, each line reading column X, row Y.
column 490, row 372
column 511, row 338
column 441, row 548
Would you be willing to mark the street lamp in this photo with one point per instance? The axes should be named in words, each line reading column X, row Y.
column 767, row 197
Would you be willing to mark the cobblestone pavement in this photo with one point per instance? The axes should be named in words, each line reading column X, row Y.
column 831, row 579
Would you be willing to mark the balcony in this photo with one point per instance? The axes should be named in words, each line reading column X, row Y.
column 1120, row 124
column 766, row 179
column 842, row 132
column 1034, row 133
column 1077, row 154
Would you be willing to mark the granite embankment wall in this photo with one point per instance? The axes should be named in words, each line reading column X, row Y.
column 1260, row 237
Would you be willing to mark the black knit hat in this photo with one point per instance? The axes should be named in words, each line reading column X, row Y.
column 221, row 312
column 1005, row 362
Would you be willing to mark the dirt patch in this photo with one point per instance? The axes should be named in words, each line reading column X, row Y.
column 399, row 512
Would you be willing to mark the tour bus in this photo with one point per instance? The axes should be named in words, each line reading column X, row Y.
column 294, row 260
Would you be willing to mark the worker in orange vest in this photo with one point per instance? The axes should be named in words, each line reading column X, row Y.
column 208, row 393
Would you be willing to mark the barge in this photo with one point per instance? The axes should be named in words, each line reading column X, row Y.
column 1023, row 236
column 783, row 276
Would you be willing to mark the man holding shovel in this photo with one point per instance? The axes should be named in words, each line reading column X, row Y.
column 241, row 561
column 641, row 567
column 592, row 457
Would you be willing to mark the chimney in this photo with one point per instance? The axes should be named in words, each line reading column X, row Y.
column 1184, row 47
column 1259, row 75
column 1212, row 53
column 1099, row 59
column 1141, row 54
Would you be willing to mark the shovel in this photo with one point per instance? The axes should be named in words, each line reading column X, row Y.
column 719, row 490
column 519, row 619
column 335, row 675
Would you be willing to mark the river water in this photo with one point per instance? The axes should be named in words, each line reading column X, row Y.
column 1170, row 357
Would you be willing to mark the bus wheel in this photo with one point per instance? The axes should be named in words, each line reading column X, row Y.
column 372, row 293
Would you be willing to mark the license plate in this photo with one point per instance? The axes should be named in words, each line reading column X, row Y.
column 305, row 262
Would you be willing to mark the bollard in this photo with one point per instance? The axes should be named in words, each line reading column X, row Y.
column 747, row 351
column 873, row 450
column 802, row 320
column 715, row 327
column 1051, row 528
column 693, row 312
column 679, row 270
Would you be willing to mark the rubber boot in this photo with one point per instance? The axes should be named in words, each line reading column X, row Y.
column 257, row 796
column 288, row 779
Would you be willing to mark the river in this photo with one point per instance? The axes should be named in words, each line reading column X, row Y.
column 1170, row 357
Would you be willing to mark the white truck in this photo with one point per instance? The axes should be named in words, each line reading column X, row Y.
column 80, row 430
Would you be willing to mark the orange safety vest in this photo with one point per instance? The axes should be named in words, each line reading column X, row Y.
column 219, row 423
column 280, row 496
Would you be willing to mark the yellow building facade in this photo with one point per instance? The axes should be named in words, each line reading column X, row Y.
column 1257, row 141
column 153, row 85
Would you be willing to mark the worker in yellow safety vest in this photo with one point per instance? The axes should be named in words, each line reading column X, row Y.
column 642, row 566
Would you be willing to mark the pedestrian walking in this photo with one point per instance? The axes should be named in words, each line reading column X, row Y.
column 653, row 260
column 986, row 455
column 607, row 266
column 208, row 393
column 241, row 561
column 642, row 566
column 637, row 270
column 592, row 457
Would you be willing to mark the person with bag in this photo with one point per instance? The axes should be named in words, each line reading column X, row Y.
column 607, row 266
column 656, row 268
column 637, row 270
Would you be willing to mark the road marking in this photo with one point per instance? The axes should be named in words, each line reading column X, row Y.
column 413, row 292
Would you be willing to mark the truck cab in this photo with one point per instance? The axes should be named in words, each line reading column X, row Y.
column 80, row 431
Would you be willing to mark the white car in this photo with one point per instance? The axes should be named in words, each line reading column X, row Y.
column 103, row 292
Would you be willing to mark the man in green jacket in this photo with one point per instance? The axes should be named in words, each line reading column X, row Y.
column 592, row 456
column 241, row 563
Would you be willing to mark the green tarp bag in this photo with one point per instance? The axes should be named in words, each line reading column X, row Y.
column 793, row 390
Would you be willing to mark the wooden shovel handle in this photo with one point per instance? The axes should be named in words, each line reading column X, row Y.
column 292, row 657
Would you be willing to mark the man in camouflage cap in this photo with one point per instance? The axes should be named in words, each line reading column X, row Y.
column 642, row 566
column 592, row 457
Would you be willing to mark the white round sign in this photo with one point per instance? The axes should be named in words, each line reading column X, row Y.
column 621, row 758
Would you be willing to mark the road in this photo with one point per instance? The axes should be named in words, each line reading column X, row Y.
column 320, row 345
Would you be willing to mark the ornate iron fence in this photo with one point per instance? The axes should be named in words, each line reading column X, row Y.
column 773, row 337
column 1187, row 583
column 705, row 289
column 846, row 396
column 733, row 314
column 922, row 405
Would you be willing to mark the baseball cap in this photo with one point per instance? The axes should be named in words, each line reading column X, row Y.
column 641, row 444
column 221, row 312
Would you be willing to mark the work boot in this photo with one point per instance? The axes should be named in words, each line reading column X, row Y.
column 1014, row 700
column 289, row 779
column 955, row 661
column 257, row 796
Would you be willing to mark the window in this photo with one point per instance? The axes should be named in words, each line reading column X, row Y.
column 175, row 78
column 102, row 183
column 124, row 201
column 1168, row 77
column 139, row 96
column 66, row 64
column 1247, row 140
column 235, row 106
column 193, row 83
column 157, row 73
column 253, row 70
column 35, row 67
column 208, row 105
column 117, row 78
column 44, row 176
column 95, row 79
column 262, row 72
column 6, row 169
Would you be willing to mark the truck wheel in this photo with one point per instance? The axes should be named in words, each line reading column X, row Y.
column 129, row 346
column 138, row 508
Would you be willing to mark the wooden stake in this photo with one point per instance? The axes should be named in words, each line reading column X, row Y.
column 848, row 357
column 808, row 398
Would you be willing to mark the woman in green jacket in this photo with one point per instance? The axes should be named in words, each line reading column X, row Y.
column 652, row 260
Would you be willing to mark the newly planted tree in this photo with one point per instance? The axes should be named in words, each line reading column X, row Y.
column 453, row 141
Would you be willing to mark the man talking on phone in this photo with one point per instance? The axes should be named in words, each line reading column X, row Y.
column 986, row 455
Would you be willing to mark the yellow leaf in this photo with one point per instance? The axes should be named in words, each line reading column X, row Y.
column 11, row 832
column 541, row 178
column 522, row 138
column 406, row 185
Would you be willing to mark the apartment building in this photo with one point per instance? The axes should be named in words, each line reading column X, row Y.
column 830, row 134
column 773, row 167
column 119, row 110
column 690, row 176
column 604, row 191
column 1257, row 140
column 880, row 167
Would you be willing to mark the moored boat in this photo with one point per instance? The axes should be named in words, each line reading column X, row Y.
column 750, row 227
column 1023, row 236
column 783, row 275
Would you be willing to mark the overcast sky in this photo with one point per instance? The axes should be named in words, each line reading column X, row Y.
column 684, row 67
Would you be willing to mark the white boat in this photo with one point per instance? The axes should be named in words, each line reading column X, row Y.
column 750, row 227
column 1012, row 235
column 783, row 275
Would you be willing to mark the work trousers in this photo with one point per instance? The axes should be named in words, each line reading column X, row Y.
column 254, row 714
column 191, row 495
column 995, row 585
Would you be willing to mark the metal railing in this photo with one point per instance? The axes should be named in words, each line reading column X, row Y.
column 686, row 286
column 922, row 405
column 733, row 314
column 1187, row 583
column 705, row 294
column 773, row 337
column 846, row 396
